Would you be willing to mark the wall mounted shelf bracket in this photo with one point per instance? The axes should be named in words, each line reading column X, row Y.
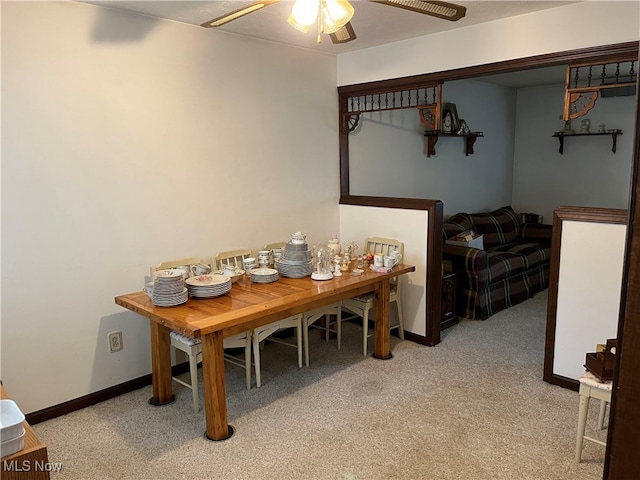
column 469, row 140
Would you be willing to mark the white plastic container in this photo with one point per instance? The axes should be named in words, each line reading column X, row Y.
column 11, row 422
column 12, row 446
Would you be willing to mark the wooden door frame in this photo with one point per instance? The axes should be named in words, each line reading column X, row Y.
column 623, row 441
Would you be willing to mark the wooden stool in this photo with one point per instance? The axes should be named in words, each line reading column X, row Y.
column 591, row 387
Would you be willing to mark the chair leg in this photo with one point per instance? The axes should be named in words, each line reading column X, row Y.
column 299, row 342
column 400, row 319
column 365, row 331
column 603, row 407
column 193, row 368
column 305, row 339
column 256, row 361
column 582, row 422
column 339, row 326
column 327, row 323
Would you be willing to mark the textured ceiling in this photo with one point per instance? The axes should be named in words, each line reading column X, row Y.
column 373, row 23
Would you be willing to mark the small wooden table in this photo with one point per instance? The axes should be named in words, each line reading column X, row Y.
column 30, row 463
column 246, row 306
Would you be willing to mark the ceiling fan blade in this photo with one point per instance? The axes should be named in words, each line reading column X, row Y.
column 344, row 35
column 444, row 10
column 241, row 12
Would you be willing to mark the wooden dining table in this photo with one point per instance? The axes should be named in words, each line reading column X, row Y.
column 246, row 306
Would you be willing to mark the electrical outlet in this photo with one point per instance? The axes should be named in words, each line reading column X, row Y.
column 115, row 341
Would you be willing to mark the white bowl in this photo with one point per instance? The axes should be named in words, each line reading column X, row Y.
column 11, row 418
column 12, row 446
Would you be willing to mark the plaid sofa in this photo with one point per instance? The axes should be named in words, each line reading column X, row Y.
column 513, row 266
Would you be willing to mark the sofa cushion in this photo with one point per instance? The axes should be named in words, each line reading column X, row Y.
column 456, row 225
column 498, row 227
column 534, row 253
column 504, row 264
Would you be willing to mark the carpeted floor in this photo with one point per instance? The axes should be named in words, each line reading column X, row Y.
column 474, row 408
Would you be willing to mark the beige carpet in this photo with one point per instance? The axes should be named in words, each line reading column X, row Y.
column 473, row 407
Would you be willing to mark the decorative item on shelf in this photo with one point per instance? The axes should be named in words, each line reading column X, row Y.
column 463, row 128
column 322, row 258
column 334, row 245
column 585, row 125
column 450, row 123
column 602, row 128
column 567, row 128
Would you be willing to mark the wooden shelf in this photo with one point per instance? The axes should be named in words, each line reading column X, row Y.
column 614, row 137
column 469, row 140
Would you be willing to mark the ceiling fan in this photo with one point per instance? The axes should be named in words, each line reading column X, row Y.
column 333, row 16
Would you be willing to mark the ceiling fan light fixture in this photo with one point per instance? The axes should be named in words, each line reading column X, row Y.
column 217, row 22
column 335, row 14
column 343, row 35
column 332, row 15
column 445, row 10
column 304, row 14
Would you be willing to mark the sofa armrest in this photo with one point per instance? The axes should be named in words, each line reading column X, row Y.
column 471, row 262
column 536, row 233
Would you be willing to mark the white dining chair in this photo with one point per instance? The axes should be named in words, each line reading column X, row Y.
column 361, row 306
column 271, row 246
column 310, row 319
column 192, row 347
column 232, row 257
column 260, row 334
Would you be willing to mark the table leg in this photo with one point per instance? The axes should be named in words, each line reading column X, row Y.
column 215, row 394
column 161, row 365
column 382, row 323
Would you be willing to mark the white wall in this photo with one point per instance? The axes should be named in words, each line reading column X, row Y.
column 388, row 152
column 583, row 24
column 129, row 140
column 588, row 173
column 589, row 286
column 410, row 227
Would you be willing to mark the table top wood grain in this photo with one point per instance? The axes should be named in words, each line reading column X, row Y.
column 248, row 305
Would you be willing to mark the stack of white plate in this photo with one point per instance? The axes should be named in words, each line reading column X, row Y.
column 295, row 261
column 208, row 285
column 264, row 275
column 168, row 288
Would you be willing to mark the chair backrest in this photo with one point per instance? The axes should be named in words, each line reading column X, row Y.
column 385, row 246
column 232, row 257
column 175, row 263
column 271, row 246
